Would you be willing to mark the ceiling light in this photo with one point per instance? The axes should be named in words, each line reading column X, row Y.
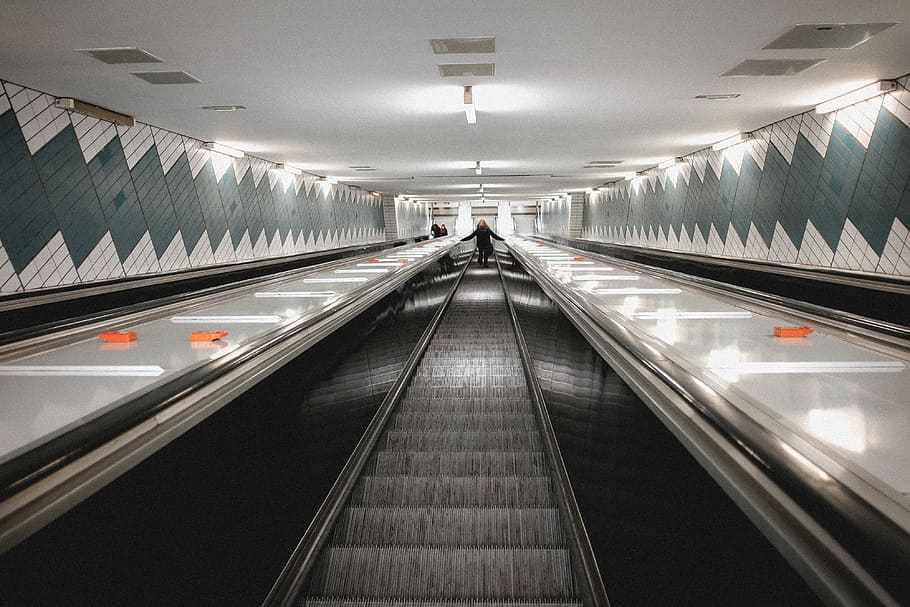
column 867, row 92
column 477, row 169
column 222, row 149
column 666, row 164
column 288, row 169
column 630, row 176
column 459, row 46
column 330, row 180
column 174, row 77
column 731, row 141
column 481, row 188
column 466, row 70
column 121, row 54
column 224, row 108
column 720, row 97
column 87, row 109
column 469, row 110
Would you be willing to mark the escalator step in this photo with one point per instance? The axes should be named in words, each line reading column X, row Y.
column 467, row 392
column 448, row 526
column 463, row 421
column 469, row 440
column 478, row 381
column 450, row 573
column 511, row 491
column 439, row 406
column 459, row 463
column 350, row 602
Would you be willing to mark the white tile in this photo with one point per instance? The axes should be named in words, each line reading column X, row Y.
column 4, row 102
column 50, row 267
column 733, row 246
column 715, row 245
column 261, row 248
column 859, row 119
column 734, row 156
column 136, row 141
column 196, row 155
column 288, row 245
column 699, row 245
column 170, row 147
column 782, row 248
column 175, row 256
column 244, row 249
column 783, row 136
column 757, row 147
column 814, row 250
column 898, row 110
column 816, row 128
column 225, row 251
column 260, row 168
column 102, row 263
column 142, row 259
column 202, row 254
column 755, row 245
column 241, row 166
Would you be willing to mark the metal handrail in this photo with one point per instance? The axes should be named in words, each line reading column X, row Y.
column 295, row 572
column 661, row 382
column 585, row 561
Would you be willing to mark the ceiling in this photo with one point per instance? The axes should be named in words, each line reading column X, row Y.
column 331, row 84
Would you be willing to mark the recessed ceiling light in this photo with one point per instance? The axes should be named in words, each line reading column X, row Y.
column 720, row 97
column 120, row 54
column 477, row 168
column 450, row 46
column 604, row 162
column 460, row 70
column 772, row 67
column 172, row 77
column 828, row 35
column 224, row 108
column 470, row 112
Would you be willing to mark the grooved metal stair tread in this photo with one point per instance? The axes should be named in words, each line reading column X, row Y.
column 356, row 602
column 449, row 526
column 472, row 392
column 465, row 440
column 438, row 572
column 453, row 491
column 464, row 421
column 442, row 407
column 457, row 463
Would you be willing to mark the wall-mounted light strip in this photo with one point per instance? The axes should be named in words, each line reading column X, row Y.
column 731, row 141
column 295, row 294
column 606, row 277
column 363, row 271
column 866, row 92
column 469, row 110
column 339, row 279
column 477, row 168
column 329, row 180
column 666, row 164
column 286, row 168
column 834, row 366
column 83, row 370
column 87, row 109
column 222, row 149
column 264, row 319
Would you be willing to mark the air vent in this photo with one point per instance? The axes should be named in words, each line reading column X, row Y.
column 454, row 70
column 718, row 97
column 828, row 35
column 167, row 77
column 125, row 54
column 603, row 163
column 224, row 108
column 458, row 46
column 772, row 67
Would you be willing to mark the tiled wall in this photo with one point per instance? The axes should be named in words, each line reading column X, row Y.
column 554, row 215
column 84, row 200
column 413, row 218
column 828, row 190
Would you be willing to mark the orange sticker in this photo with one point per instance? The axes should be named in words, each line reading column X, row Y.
column 578, row 259
column 207, row 335
column 791, row 331
column 117, row 337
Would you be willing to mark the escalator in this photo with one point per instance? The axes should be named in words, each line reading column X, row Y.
column 459, row 498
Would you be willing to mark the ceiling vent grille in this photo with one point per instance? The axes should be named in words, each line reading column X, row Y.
column 828, row 35
column 458, row 46
column 167, row 77
column 117, row 55
column 772, row 67
column 455, row 70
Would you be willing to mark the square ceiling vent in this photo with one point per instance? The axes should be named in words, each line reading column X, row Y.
column 167, row 77
column 772, row 67
column 454, row 70
column 125, row 54
column 828, row 35
column 457, row 46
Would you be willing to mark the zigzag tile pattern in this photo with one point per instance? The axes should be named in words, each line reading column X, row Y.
column 83, row 200
column 828, row 191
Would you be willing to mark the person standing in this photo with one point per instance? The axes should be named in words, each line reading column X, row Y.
column 435, row 231
column 443, row 231
column 483, row 233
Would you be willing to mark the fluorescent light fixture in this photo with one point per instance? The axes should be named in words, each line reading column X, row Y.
column 264, row 319
column 222, row 149
column 690, row 315
column 790, row 367
column 571, row 263
column 380, row 264
column 330, row 180
column 288, row 169
column 469, row 111
column 731, row 141
column 95, row 111
column 861, row 94
column 630, row 176
column 720, row 97
column 363, row 271
column 223, row 108
column 477, row 169
column 481, row 188
column 84, row 370
column 666, row 164
column 339, row 279
column 295, row 294
column 634, row 291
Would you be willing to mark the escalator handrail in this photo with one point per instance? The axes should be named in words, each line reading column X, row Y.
column 586, row 562
column 295, row 572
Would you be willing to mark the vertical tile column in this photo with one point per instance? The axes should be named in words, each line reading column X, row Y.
column 576, row 214
column 389, row 217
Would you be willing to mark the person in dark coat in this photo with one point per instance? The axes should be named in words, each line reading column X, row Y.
column 484, row 244
column 435, row 231
column 443, row 231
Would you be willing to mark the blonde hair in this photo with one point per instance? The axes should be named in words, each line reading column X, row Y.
column 482, row 224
